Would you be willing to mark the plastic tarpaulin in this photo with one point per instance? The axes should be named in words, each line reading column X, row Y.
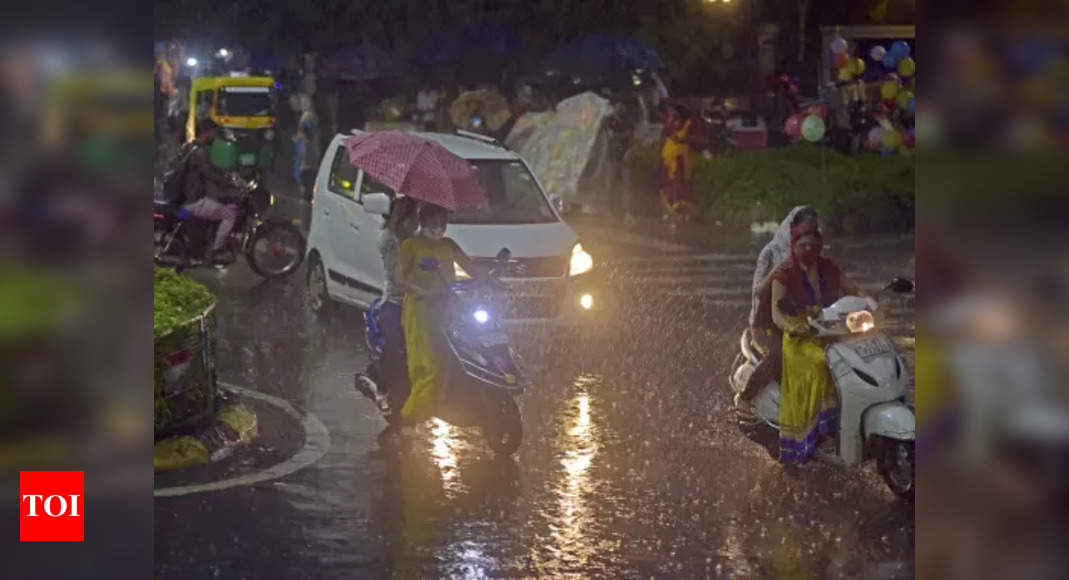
column 565, row 148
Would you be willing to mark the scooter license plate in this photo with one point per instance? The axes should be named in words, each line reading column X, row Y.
column 493, row 339
column 247, row 159
column 872, row 346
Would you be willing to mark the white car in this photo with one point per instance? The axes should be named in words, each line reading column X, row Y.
column 549, row 274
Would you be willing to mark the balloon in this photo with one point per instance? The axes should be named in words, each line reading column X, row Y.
column 874, row 138
column 856, row 66
column 889, row 89
column 906, row 67
column 844, row 74
column 890, row 60
column 900, row 48
column 877, row 53
column 793, row 126
column 813, row 128
column 911, row 106
column 891, row 139
column 903, row 99
column 841, row 60
column 819, row 109
column 838, row 45
column 909, row 140
column 889, row 105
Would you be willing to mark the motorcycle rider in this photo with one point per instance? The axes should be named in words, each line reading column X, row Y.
column 763, row 331
column 199, row 173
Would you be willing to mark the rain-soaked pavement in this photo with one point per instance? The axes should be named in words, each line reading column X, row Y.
column 631, row 465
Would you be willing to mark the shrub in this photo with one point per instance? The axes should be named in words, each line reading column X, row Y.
column 177, row 299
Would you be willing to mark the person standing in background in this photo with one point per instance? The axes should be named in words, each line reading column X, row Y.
column 620, row 130
column 307, row 146
column 427, row 106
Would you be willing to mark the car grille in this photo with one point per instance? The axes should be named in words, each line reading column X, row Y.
column 534, row 300
column 554, row 267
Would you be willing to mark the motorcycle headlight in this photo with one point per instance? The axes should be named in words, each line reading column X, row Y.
column 459, row 272
column 581, row 262
column 481, row 315
column 860, row 321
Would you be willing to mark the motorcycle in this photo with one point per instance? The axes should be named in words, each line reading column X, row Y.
column 273, row 248
column 484, row 370
column 872, row 381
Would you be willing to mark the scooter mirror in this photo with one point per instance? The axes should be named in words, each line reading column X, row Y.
column 428, row 264
column 900, row 286
column 503, row 255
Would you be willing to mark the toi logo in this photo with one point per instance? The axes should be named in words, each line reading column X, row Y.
column 52, row 506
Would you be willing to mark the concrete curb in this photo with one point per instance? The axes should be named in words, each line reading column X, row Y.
column 234, row 424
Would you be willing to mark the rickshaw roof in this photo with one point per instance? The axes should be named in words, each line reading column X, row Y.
column 217, row 82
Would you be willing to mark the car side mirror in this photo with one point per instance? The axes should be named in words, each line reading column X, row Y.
column 900, row 286
column 376, row 203
column 558, row 203
column 504, row 255
column 428, row 264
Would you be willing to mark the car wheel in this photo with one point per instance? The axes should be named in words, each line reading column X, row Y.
column 318, row 298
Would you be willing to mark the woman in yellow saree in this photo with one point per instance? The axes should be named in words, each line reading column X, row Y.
column 677, row 164
column 423, row 308
column 809, row 409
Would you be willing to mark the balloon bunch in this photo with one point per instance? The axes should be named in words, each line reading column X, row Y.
column 810, row 124
column 847, row 66
column 898, row 104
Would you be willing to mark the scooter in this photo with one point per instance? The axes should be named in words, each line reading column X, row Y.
column 872, row 380
column 484, row 374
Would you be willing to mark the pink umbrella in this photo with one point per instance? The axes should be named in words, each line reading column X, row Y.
column 416, row 167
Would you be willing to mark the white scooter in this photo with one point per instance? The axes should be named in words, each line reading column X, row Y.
column 872, row 380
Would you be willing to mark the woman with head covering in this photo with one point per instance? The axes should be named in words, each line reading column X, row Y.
column 763, row 332
column 808, row 411
column 677, row 163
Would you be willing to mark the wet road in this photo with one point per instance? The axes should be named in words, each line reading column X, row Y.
column 631, row 466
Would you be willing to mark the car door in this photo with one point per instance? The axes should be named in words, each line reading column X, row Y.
column 367, row 265
column 333, row 206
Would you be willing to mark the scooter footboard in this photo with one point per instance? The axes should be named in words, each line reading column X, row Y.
column 892, row 419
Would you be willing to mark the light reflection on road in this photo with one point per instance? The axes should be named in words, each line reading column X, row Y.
column 580, row 447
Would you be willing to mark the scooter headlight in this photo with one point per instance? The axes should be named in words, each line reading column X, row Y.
column 860, row 321
column 481, row 316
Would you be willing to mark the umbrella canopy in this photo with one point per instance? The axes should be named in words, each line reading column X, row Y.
column 489, row 104
column 359, row 62
column 601, row 52
column 417, row 167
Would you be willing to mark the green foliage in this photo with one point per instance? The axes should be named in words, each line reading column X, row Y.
column 743, row 186
column 177, row 299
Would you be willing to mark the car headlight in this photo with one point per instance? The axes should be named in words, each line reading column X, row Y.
column 229, row 135
column 860, row 321
column 581, row 262
column 459, row 272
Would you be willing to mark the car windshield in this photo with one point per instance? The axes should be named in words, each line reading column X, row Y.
column 245, row 102
column 514, row 196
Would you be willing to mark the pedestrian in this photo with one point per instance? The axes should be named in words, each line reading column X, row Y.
column 393, row 383
column 677, row 164
column 620, row 131
column 307, row 146
column 427, row 106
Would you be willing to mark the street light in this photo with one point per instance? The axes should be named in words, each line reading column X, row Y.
column 191, row 62
column 224, row 52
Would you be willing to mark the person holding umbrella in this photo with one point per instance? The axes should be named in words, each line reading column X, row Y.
column 422, row 170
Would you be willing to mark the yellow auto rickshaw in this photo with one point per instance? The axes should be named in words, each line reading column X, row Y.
column 244, row 109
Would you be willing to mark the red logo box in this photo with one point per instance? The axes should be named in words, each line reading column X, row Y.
column 52, row 506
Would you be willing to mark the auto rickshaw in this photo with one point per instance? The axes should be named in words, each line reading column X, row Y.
column 244, row 109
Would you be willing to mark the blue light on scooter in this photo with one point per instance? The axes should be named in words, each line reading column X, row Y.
column 481, row 316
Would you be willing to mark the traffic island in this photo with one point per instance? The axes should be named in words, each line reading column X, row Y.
column 194, row 422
